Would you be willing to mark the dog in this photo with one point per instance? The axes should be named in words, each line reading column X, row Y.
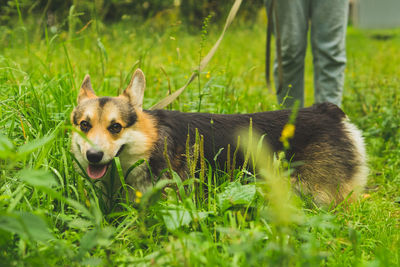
column 330, row 149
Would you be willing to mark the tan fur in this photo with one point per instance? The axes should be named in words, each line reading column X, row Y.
column 86, row 90
column 147, row 125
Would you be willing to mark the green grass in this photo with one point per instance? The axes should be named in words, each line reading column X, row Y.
column 51, row 215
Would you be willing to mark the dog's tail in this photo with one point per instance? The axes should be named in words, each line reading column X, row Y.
column 358, row 180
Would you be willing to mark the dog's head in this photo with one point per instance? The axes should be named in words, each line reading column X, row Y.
column 111, row 126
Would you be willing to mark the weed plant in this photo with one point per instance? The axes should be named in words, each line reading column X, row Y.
column 52, row 214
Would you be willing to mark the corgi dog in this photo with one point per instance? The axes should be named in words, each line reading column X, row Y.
column 330, row 149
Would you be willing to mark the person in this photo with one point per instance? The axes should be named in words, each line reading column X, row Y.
column 327, row 20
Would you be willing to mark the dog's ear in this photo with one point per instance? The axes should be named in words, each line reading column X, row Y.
column 135, row 90
column 86, row 90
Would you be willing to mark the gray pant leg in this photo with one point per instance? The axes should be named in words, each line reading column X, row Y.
column 293, row 26
column 328, row 32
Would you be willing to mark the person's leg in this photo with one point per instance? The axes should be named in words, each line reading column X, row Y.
column 328, row 39
column 292, row 25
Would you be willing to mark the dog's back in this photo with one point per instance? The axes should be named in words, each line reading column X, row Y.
column 329, row 149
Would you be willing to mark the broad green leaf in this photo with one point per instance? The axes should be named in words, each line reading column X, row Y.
column 26, row 225
column 175, row 218
column 88, row 241
column 37, row 178
column 10, row 223
column 36, row 227
column 96, row 237
column 236, row 194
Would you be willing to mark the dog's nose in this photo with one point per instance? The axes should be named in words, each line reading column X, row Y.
column 94, row 156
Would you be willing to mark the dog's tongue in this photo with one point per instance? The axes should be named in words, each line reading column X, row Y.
column 96, row 171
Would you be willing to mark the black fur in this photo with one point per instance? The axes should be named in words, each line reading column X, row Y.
column 320, row 124
column 104, row 100
column 129, row 116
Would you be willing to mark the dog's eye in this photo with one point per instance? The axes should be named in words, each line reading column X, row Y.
column 115, row 128
column 85, row 126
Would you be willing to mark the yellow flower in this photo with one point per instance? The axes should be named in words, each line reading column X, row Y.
column 208, row 75
column 287, row 132
column 138, row 196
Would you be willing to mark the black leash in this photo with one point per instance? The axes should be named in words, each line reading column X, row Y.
column 272, row 12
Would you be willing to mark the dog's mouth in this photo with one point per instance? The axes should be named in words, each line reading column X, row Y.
column 98, row 171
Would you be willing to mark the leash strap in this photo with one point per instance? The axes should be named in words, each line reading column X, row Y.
column 278, row 51
column 272, row 12
column 268, row 51
column 168, row 100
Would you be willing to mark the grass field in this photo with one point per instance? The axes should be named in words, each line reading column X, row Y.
column 50, row 215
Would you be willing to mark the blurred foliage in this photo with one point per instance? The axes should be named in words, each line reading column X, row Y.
column 194, row 11
column 56, row 12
